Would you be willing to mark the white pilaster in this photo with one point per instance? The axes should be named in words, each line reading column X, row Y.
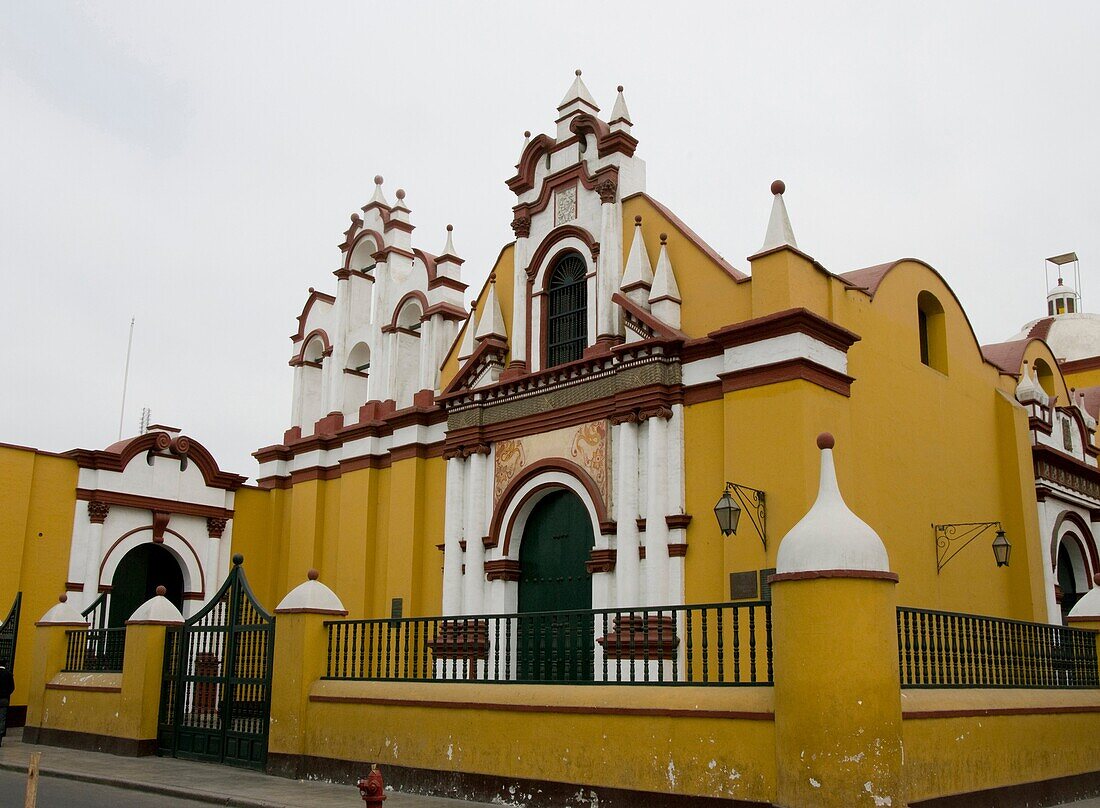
column 676, row 501
column 454, row 516
column 656, row 531
column 427, row 356
column 625, row 439
column 93, row 558
column 296, row 398
column 608, row 266
column 519, row 302
column 338, row 361
column 474, row 589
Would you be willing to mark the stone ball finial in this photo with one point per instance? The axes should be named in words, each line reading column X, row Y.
column 313, row 574
column 492, row 277
column 637, row 221
column 238, row 559
column 400, row 193
column 161, row 591
column 450, row 227
column 527, row 133
column 825, row 441
column 62, row 598
column 577, row 72
column 377, row 179
column 620, row 88
column 664, row 238
column 778, row 187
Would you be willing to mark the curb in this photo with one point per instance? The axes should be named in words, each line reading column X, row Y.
column 192, row 794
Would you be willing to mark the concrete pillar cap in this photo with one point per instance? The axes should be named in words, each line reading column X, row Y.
column 311, row 597
column 830, row 537
column 157, row 611
column 63, row 613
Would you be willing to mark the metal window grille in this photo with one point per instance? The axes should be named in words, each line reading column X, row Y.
column 568, row 319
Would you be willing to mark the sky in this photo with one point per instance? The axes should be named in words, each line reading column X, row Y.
column 193, row 166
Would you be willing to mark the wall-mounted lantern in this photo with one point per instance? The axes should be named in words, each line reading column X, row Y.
column 728, row 512
column 951, row 539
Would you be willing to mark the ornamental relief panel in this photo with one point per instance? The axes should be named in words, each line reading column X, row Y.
column 585, row 444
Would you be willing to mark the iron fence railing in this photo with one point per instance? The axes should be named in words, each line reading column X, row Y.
column 948, row 649
column 95, row 650
column 705, row 644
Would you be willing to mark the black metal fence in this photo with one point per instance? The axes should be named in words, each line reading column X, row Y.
column 947, row 649
column 95, row 650
column 706, row 644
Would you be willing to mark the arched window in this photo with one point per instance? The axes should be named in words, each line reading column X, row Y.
column 567, row 323
column 932, row 332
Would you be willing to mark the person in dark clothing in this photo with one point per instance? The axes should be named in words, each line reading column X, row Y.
column 7, row 686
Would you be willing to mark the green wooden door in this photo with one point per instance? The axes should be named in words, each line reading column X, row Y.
column 552, row 644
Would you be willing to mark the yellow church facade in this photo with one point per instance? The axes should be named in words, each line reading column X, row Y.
column 622, row 425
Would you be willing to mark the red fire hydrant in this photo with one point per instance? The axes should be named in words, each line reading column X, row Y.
column 371, row 787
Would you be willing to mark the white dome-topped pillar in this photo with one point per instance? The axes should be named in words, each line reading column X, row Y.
column 837, row 737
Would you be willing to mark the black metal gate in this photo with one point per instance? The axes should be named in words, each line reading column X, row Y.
column 9, row 633
column 215, row 699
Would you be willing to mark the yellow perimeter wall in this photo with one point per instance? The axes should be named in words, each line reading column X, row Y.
column 37, row 503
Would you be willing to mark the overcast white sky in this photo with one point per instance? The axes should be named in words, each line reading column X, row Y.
column 194, row 165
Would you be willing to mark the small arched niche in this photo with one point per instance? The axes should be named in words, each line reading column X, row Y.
column 408, row 352
column 1045, row 376
column 932, row 332
column 356, row 373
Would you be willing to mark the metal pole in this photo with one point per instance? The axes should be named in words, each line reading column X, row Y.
column 125, row 378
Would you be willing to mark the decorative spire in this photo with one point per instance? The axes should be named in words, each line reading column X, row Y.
column 1027, row 390
column 780, row 233
column 466, row 349
column 379, row 198
column 664, row 297
column 830, row 536
column 449, row 247
column 577, row 95
column 619, row 113
column 638, row 275
column 400, row 204
column 492, row 320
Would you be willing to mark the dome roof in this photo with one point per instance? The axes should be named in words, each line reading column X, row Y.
column 1070, row 336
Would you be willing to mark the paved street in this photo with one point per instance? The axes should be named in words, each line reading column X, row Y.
column 87, row 779
column 56, row 792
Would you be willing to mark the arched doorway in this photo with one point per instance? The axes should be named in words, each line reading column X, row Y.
column 1072, row 573
column 137, row 577
column 554, row 645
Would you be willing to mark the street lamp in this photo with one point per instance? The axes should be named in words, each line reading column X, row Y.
column 951, row 539
column 1001, row 549
column 728, row 511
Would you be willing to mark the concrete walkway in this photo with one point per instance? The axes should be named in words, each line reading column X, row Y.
column 201, row 782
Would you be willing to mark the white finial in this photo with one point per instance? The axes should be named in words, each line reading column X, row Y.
column 664, row 297
column 830, row 536
column 780, row 233
column 1026, row 389
column 400, row 204
column 578, row 92
column 466, row 349
column 492, row 318
column 619, row 112
column 378, row 197
column 638, row 275
column 449, row 247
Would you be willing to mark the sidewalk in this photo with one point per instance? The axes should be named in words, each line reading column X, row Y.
column 202, row 782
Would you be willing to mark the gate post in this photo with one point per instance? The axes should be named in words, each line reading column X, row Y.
column 838, row 728
column 143, row 669
column 301, row 643
column 50, row 646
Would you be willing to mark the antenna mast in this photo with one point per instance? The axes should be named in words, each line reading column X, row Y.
column 125, row 378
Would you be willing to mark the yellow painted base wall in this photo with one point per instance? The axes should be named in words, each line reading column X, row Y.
column 958, row 755
column 615, row 737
